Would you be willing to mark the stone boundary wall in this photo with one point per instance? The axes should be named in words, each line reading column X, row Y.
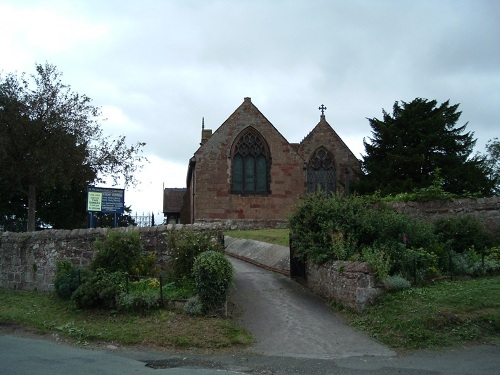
column 487, row 210
column 244, row 224
column 28, row 260
column 350, row 284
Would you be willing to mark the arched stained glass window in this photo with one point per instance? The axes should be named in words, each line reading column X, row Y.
column 321, row 172
column 250, row 164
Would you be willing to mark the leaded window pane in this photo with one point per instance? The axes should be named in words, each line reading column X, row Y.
column 238, row 173
column 311, row 180
column 249, row 174
column 261, row 175
column 250, row 164
column 321, row 172
column 330, row 180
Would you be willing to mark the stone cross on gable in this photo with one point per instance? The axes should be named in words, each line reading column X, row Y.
column 322, row 108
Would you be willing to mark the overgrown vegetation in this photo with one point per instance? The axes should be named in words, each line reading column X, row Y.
column 121, row 277
column 213, row 274
column 444, row 314
column 338, row 228
column 167, row 328
column 186, row 245
column 112, row 301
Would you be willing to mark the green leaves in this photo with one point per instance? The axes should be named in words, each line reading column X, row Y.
column 420, row 137
column 51, row 143
column 213, row 274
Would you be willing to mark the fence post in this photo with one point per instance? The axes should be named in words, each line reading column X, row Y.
column 220, row 237
column 161, row 291
column 414, row 270
column 451, row 267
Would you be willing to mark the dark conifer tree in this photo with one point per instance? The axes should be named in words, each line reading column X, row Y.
column 419, row 142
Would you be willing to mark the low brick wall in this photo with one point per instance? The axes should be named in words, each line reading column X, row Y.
column 28, row 260
column 350, row 284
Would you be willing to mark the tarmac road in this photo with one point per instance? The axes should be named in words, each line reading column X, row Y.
column 286, row 319
column 295, row 334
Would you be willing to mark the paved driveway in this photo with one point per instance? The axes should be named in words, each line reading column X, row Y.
column 286, row 319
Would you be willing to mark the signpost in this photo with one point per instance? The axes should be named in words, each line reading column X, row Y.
column 105, row 200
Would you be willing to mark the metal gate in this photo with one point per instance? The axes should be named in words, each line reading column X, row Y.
column 297, row 266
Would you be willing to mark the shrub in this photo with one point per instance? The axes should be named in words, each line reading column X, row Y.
column 117, row 252
column 180, row 289
column 337, row 228
column 396, row 283
column 186, row 245
column 418, row 264
column 101, row 289
column 460, row 233
column 142, row 295
column 68, row 278
column 193, row 306
column 145, row 266
column 471, row 263
column 213, row 274
column 378, row 259
column 325, row 228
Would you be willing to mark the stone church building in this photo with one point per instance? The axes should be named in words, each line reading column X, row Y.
column 246, row 172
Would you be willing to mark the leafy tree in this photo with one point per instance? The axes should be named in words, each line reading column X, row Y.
column 52, row 146
column 420, row 138
column 493, row 161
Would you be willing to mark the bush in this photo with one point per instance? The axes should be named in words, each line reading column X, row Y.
column 396, row 283
column 101, row 289
column 325, row 228
column 142, row 295
column 145, row 266
column 460, row 233
column 338, row 228
column 186, row 245
column 67, row 278
column 193, row 306
column 213, row 274
column 378, row 259
column 117, row 252
column 180, row 289
column 418, row 264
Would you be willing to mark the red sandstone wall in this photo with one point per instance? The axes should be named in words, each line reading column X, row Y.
column 324, row 135
column 213, row 199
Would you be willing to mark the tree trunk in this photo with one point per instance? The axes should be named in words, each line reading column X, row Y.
column 31, row 208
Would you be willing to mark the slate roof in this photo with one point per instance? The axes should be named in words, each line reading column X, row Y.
column 172, row 199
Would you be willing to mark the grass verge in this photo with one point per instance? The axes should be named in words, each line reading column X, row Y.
column 170, row 329
column 446, row 314
column 274, row 236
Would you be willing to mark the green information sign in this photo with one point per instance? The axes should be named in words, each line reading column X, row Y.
column 105, row 200
column 94, row 201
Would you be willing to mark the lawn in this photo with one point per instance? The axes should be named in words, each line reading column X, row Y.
column 167, row 328
column 445, row 314
column 274, row 236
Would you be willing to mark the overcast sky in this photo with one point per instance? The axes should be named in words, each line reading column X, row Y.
column 156, row 67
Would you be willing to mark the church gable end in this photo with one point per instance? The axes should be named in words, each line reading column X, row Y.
column 329, row 160
column 251, row 161
column 246, row 171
